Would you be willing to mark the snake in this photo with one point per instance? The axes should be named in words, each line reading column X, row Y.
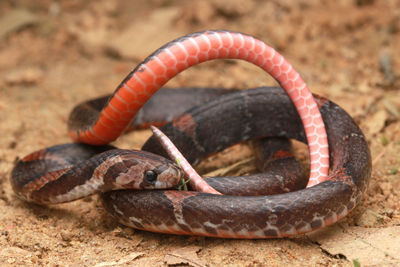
column 65, row 172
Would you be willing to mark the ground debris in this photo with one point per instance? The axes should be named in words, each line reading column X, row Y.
column 185, row 255
column 137, row 41
column 125, row 260
column 15, row 20
column 370, row 246
column 26, row 76
column 385, row 64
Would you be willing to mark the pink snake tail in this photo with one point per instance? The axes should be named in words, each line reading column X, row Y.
column 191, row 50
column 195, row 180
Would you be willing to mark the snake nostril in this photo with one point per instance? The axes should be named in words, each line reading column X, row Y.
column 150, row 176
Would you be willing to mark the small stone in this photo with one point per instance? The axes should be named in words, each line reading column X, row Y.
column 198, row 12
column 235, row 8
column 66, row 236
column 24, row 76
column 369, row 219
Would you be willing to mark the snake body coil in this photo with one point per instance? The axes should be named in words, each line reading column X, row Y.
column 280, row 215
column 71, row 171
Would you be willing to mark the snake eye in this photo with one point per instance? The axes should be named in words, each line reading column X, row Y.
column 150, row 176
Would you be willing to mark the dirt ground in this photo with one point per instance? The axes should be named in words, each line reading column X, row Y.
column 55, row 54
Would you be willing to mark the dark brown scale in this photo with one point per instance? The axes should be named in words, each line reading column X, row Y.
column 272, row 114
column 75, row 163
column 282, row 175
column 279, row 174
column 81, row 163
column 52, row 159
column 161, row 108
column 209, row 128
column 224, row 122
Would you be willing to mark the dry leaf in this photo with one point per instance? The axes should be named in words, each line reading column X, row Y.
column 15, row 20
column 124, row 260
column 227, row 157
column 376, row 122
column 24, row 76
column 389, row 105
column 242, row 167
column 370, row 246
column 186, row 255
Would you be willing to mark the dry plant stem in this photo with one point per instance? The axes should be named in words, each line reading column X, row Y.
column 195, row 180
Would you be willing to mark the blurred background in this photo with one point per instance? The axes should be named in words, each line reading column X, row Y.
column 55, row 54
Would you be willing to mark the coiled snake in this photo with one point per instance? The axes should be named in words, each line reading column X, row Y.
column 72, row 171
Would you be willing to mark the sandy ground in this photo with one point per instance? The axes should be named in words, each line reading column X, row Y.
column 54, row 54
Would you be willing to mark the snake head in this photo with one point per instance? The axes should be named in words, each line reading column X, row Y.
column 145, row 170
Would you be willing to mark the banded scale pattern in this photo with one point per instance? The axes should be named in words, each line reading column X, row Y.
column 192, row 49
